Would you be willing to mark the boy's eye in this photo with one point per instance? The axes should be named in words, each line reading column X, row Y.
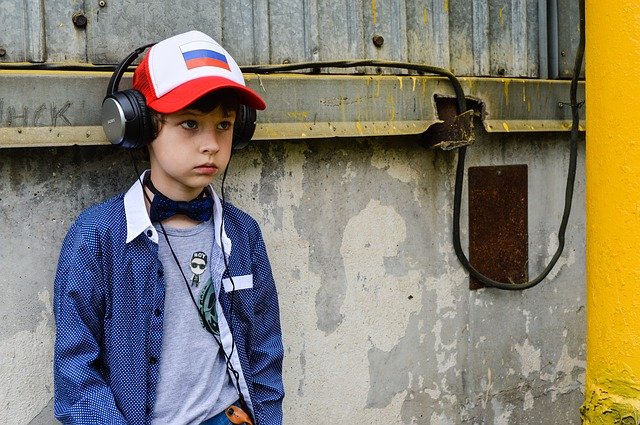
column 189, row 124
column 225, row 125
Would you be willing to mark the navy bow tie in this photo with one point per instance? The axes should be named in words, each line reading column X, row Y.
column 162, row 208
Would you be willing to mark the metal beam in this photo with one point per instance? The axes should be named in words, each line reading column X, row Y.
column 61, row 108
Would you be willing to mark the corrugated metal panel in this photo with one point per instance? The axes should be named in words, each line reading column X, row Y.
column 22, row 37
column 428, row 32
column 119, row 27
column 495, row 38
column 512, row 38
column 340, row 33
column 568, row 37
column 65, row 43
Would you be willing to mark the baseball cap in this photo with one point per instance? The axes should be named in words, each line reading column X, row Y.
column 180, row 69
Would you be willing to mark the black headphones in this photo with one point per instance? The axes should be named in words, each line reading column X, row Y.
column 127, row 122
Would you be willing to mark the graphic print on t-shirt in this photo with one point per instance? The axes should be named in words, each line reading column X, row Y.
column 198, row 266
column 207, row 307
column 207, row 302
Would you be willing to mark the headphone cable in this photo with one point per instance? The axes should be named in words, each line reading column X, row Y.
column 228, row 362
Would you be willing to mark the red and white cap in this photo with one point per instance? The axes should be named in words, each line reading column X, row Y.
column 179, row 70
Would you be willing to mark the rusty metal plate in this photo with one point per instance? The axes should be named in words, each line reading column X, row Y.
column 498, row 223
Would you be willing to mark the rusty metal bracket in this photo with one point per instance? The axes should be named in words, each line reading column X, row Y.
column 453, row 131
column 452, row 134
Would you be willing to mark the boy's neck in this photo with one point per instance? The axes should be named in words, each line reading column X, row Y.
column 177, row 220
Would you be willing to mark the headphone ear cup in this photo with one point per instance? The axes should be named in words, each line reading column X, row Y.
column 142, row 131
column 244, row 127
column 126, row 119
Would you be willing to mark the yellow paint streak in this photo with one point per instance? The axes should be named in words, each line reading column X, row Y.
column 446, row 6
column 506, row 91
column 298, row 115
column 501, row 14
column 374, row 11
column 391, row 108
column 505, row 126
column 612, row 166
column 400, row 81
column 425, row 16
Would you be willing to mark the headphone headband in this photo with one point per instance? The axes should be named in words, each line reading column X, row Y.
column 122, row 68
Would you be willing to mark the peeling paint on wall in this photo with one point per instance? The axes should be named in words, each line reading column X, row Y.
column 26, row 359
column 529, row 358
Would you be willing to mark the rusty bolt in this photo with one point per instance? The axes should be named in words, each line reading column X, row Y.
column 79, row 20
column 3, row 51
column 502, row 71
column 102, row 3
column 378, row 40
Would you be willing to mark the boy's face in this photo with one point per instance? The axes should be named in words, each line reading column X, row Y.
column 191, row 148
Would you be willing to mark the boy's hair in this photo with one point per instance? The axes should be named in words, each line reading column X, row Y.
column 227, row 99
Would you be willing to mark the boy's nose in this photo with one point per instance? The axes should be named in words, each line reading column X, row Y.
column 210, row 143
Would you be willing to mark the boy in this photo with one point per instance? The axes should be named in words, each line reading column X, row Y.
column 165, row 315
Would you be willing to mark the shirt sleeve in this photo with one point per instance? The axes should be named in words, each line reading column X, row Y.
column 81, row 395
column 267, row 350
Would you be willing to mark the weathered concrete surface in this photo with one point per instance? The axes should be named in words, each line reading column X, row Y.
column 379, row 324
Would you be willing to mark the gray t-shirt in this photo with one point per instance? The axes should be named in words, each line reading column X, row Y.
column 194, row 384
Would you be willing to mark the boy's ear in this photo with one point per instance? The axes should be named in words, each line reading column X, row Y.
column 243, row 127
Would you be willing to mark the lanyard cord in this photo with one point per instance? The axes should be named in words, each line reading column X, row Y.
column 229, row 365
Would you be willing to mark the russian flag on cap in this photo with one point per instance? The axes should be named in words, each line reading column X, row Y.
column 197, row 54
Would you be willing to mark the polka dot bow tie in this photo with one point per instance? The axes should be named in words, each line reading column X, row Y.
column 162, row 208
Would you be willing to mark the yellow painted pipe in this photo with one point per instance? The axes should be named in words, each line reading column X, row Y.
column 612, row 387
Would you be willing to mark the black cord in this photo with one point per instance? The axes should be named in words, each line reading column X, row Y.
column 573, row 155
column 461, row 106
column 224, row 254
column 427, row 69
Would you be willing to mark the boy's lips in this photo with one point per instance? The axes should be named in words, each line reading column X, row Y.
column 206, row 169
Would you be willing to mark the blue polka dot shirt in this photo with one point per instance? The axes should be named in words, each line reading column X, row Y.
column 109, row 307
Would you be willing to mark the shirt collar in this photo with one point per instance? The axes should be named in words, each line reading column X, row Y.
column 136, row 214
column 138, row 218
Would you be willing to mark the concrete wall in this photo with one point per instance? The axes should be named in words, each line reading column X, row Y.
column 379, row 324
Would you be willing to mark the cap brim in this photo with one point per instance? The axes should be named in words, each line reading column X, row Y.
column 187, row 93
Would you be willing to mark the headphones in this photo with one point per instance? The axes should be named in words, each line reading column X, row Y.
column 126, row 119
